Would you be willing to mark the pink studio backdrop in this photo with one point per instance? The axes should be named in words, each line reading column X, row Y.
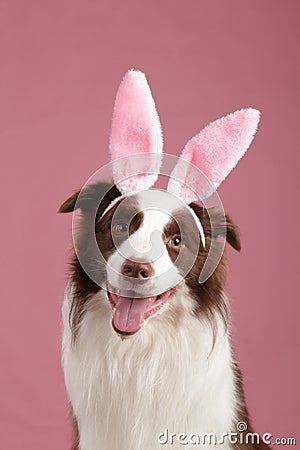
column 61, row 63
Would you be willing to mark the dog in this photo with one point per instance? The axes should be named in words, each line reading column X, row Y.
column 147, row 357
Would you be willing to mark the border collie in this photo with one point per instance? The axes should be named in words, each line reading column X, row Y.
column 146, row 348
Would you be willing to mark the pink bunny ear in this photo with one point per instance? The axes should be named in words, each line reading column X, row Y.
column 135, row 131
column 215, row 151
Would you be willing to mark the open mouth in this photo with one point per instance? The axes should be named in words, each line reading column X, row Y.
column 129, row 312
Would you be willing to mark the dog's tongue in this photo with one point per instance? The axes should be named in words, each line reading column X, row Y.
column 129, row 314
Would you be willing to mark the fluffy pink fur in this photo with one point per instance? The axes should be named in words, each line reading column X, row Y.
column 135, row 130
column 215, row 151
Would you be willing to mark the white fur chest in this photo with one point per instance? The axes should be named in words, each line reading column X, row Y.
column 124, row 393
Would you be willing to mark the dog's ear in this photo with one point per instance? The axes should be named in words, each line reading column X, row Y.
column 233, row 234
column 69, row 204
column 223, row 225
column 97, row 196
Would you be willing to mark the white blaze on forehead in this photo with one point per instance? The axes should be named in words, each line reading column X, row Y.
column 155, row 218
column 149, row 238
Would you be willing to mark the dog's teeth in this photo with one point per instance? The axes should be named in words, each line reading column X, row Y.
column 151, row 299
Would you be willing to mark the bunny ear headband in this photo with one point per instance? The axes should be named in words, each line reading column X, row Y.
column 136, row 129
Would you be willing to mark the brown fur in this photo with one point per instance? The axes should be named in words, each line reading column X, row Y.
column 209, row 295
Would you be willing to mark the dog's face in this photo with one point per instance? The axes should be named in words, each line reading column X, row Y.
column 150, row 243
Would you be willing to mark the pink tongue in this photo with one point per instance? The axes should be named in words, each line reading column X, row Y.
column 129, row 314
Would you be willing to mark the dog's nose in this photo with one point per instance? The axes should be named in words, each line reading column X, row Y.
column 137, row 269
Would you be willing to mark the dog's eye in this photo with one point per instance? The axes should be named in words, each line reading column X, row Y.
column 175, row 242
column 120, row 228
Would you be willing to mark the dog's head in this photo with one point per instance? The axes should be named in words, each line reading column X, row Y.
column 141, row 245
column 145, row 251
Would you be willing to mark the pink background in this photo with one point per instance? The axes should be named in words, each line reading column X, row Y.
column 61, row 63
